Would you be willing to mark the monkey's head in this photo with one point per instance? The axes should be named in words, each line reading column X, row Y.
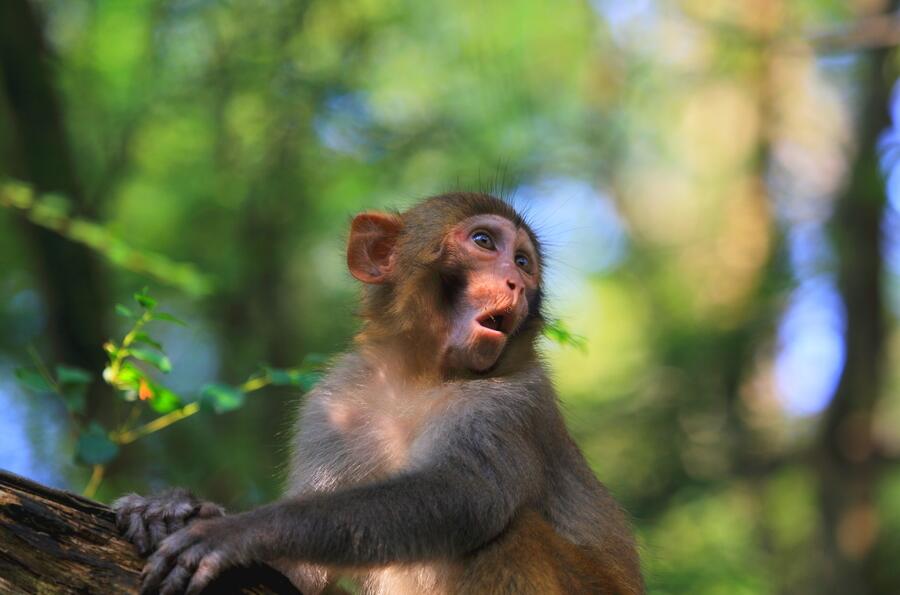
column 458, row 272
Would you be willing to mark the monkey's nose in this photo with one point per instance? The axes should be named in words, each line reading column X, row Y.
column 511, row 284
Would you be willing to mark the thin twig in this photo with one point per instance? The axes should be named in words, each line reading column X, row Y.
column 94, row 482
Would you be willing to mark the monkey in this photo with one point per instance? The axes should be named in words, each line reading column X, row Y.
column 432, row 457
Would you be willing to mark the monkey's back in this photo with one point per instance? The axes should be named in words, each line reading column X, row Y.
column 574, row 501
column 578, row 505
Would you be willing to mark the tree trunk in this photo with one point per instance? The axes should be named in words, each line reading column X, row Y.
column 53, row 541
column 68, row 275
column 846, row 455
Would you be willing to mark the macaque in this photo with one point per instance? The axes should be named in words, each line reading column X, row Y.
column 432, row 457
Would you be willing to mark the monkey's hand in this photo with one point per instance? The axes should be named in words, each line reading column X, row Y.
column 188, row 560
column 146, row 521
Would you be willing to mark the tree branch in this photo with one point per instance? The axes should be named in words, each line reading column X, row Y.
column 53, row 541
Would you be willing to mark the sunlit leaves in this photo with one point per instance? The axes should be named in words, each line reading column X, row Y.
column 154, row 358
column 137, row 345
column 163, row 400
column 126, row 377
column 130, row 371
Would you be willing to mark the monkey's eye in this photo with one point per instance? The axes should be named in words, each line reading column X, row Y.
column 523, row 262
column 483, row 239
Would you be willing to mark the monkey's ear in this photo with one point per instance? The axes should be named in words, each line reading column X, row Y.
column 370, row 249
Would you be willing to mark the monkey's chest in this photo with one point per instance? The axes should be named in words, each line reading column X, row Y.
column 379, row 430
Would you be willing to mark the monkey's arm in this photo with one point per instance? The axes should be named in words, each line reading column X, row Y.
column 468, row 479
column 442, row 510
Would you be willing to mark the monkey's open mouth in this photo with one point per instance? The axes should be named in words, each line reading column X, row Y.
column 496, row 321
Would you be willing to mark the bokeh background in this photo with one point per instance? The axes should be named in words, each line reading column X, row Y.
column 716, row 180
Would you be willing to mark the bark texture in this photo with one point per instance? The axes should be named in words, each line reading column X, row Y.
column 53, row 541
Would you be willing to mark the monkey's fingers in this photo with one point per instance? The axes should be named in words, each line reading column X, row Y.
column 208, row 569
column 177, row 578
column 141, row 521
column 175, row 525
column 156, row 532
column 130, row 511
column 125, row 506
column 157, row 568
column 175, row 550
column 208, row 510
column 172, row 504
column 186, row 567
column 136, row 533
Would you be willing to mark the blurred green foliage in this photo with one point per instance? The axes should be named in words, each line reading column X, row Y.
column 129, row 373
column 52, row 212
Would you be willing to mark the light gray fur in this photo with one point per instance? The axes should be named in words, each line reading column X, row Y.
column 538, row 464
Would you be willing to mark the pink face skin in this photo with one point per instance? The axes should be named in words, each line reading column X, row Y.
column 502, row 274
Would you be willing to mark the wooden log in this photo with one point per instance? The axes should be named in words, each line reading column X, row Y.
column 52, row 541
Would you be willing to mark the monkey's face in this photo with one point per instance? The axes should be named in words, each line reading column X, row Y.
column 489, row 282
column 500, row 274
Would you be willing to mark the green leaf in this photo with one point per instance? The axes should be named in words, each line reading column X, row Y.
column 146, row 302
column 129, row 375
column 221, row 397
column 123, row 311
column 556, row 330
column 127, row 382
column 75, row 397
column 72, row 375
column 304, row 379
column 280, row 377
column 73, row 387
column 154, row 358
column 142, row 337
column 94, row 446
column 164, row 400
column 32, row 380
column 165, row 316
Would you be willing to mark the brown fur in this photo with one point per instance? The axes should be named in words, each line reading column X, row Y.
column 531, row 558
